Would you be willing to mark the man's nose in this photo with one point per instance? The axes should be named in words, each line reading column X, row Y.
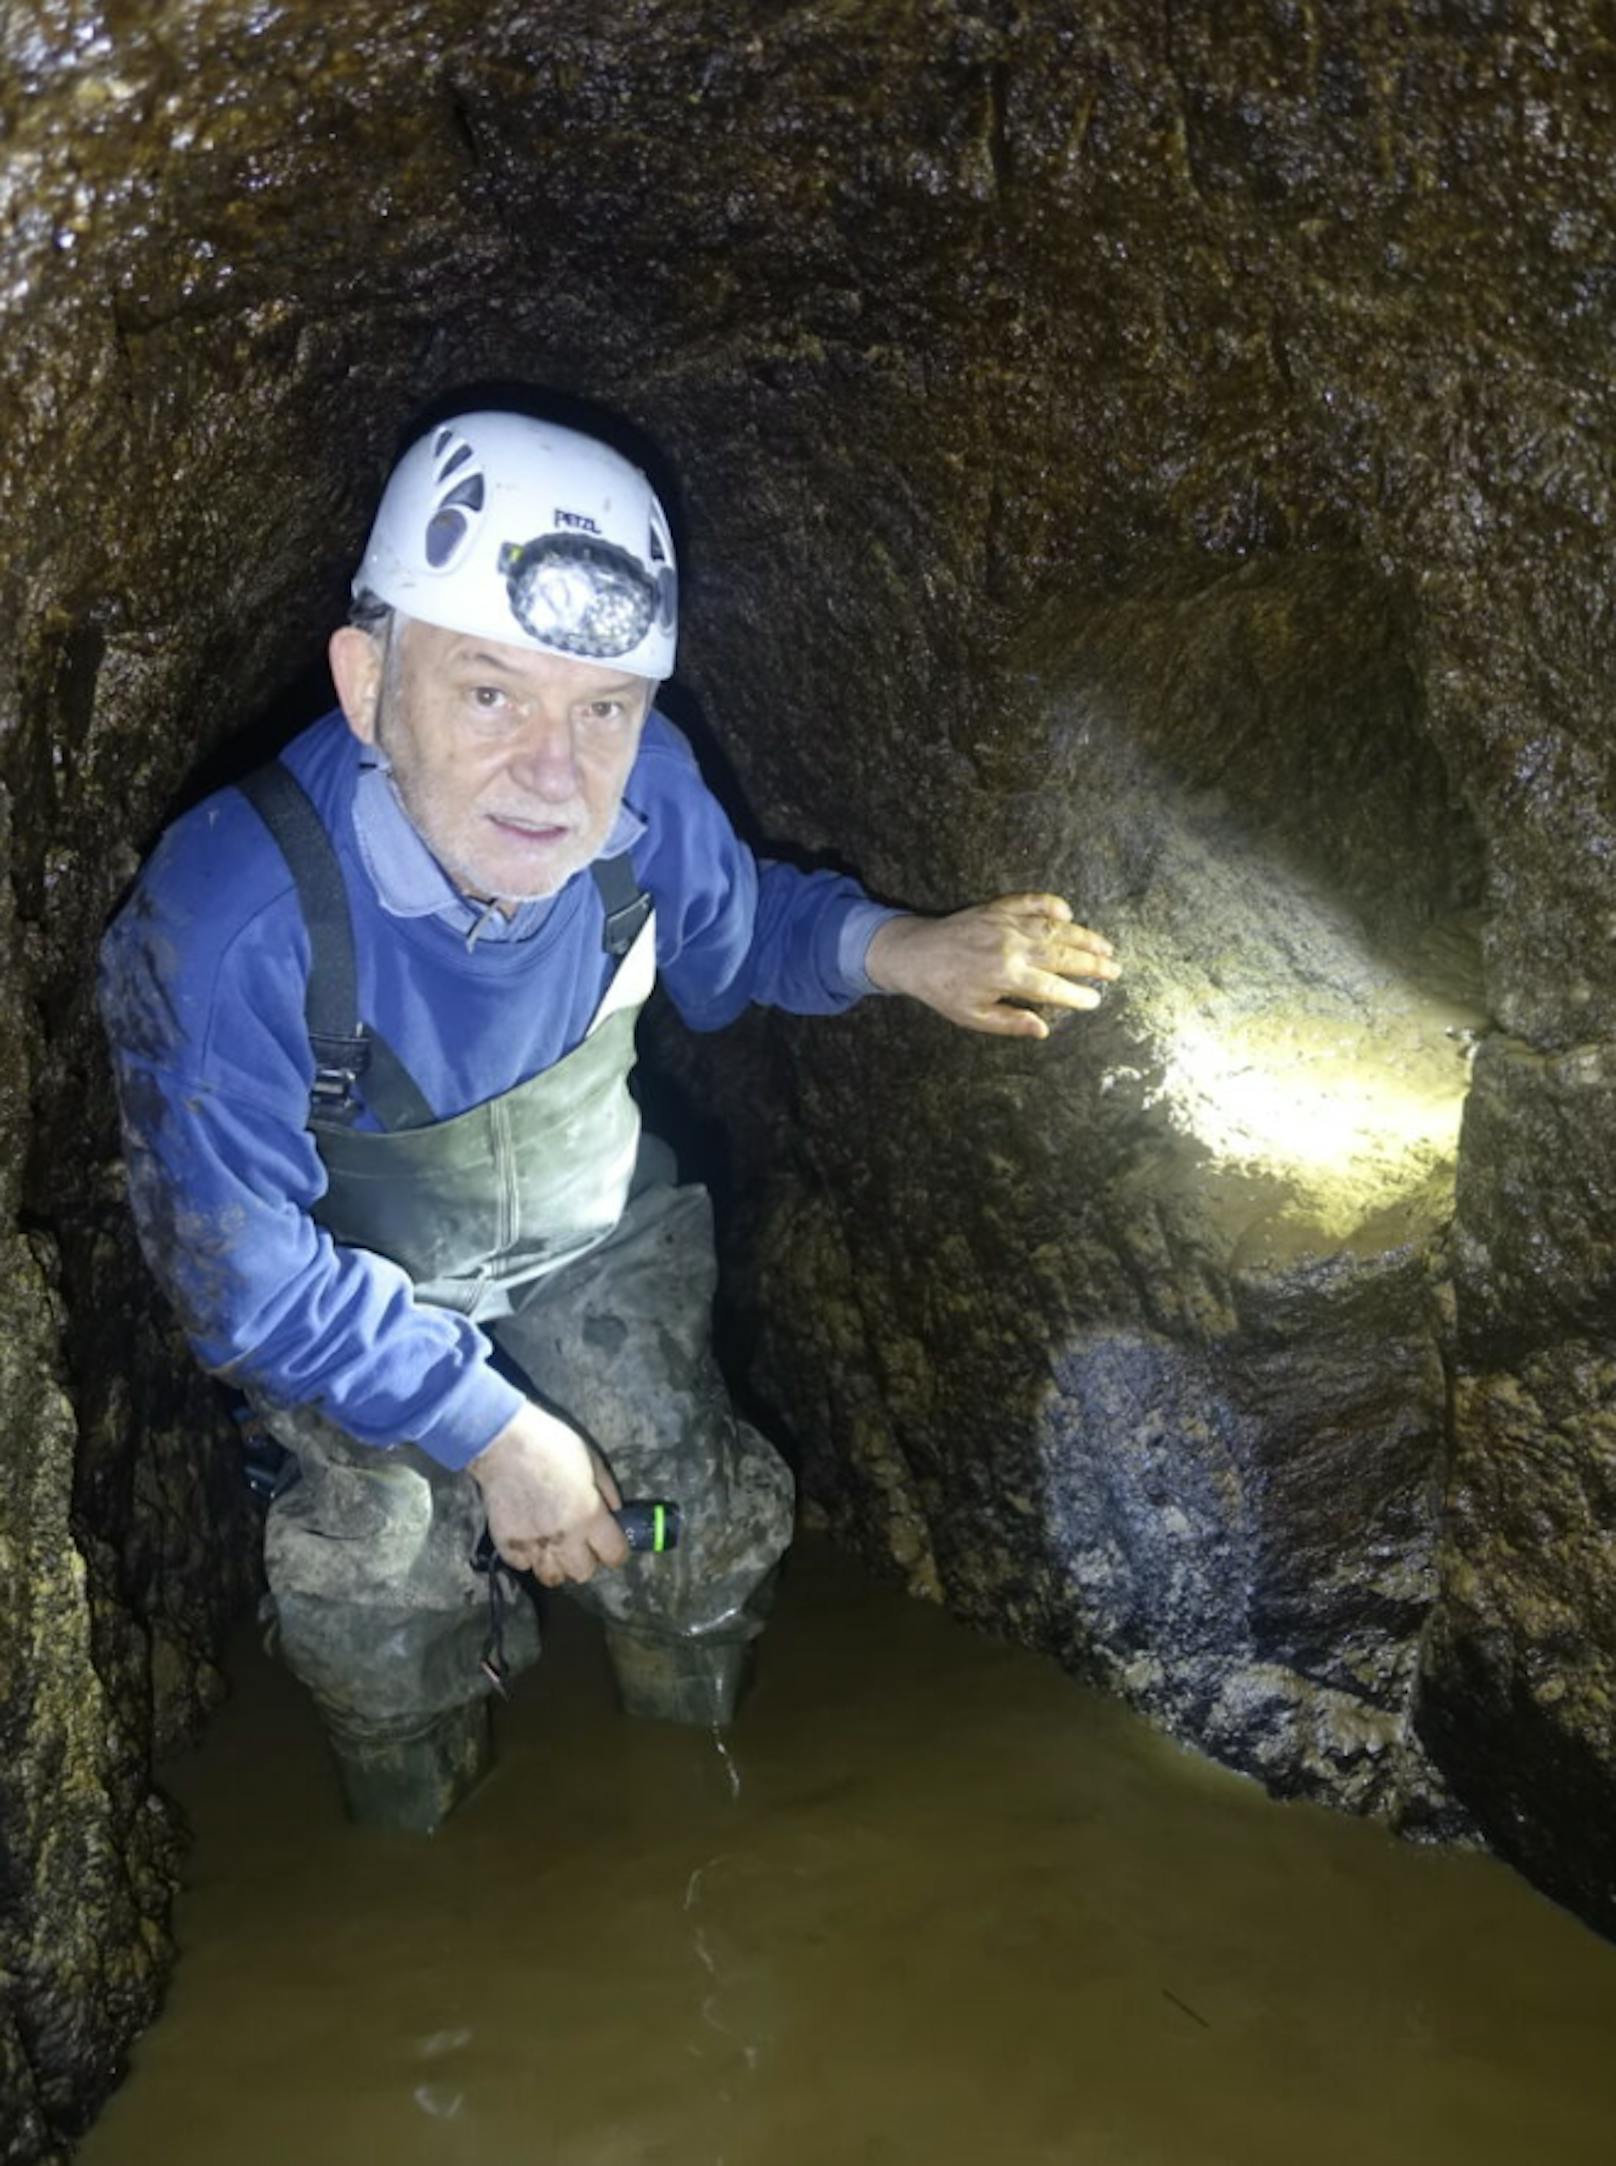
column 546, row 761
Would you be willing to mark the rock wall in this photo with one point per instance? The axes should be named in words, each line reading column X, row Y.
column 1154, row 1313
column 1160, row 454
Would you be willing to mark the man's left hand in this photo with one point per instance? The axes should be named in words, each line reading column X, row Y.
column 969, row 966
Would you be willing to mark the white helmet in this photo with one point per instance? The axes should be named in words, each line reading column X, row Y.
column 519, row 530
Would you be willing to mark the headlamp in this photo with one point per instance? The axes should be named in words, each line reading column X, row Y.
column 578, row 594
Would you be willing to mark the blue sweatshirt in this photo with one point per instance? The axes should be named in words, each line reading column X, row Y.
column 203, row 975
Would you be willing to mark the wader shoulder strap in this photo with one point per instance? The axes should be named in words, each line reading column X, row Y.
column 626, row 907
column 344, row 1047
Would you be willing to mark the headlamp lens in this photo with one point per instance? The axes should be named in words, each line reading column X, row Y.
column 582, row 596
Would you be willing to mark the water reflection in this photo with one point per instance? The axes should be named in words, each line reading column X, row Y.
column 958, row 1911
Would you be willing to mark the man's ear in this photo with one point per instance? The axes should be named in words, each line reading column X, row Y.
column 356, row 671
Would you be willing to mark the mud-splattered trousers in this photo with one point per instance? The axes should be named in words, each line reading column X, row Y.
column 369, row 1555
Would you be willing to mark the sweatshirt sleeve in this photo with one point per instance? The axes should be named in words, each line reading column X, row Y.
column 223, row 1176
column 732, row 928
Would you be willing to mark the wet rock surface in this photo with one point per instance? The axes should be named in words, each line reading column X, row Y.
column 1154, row 1312
column 1162, row 459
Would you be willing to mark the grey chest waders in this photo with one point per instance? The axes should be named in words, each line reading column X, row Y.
column 519, row 1214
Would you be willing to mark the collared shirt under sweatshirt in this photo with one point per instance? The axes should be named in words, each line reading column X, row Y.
column 202, row 993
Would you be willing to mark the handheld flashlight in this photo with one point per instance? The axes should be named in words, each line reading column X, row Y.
column 651, row 1527
column 650, row 1524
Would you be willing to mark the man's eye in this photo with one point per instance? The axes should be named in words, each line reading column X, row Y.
column 491, row 708
column 605, row 710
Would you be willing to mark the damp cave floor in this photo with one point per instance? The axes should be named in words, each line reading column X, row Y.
column 940, row 1905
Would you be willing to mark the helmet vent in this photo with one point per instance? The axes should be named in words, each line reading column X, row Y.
column 666, row 578
column 458, row 507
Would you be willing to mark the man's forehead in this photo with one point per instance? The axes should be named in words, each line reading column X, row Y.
column 447, row 650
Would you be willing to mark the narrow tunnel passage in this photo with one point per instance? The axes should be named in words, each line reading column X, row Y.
column 1101, row 472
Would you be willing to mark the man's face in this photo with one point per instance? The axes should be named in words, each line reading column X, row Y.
column 510, row 763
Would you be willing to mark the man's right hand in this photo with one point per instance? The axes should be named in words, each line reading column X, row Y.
column 549, row 1499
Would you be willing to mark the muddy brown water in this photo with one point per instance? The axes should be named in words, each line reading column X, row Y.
column 943, row 1906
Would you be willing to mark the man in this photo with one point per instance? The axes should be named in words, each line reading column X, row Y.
column 372, row 1016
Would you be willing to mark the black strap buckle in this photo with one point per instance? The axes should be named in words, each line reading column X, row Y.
column 338, row 1065
column 623, row 905
column 623, row 926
